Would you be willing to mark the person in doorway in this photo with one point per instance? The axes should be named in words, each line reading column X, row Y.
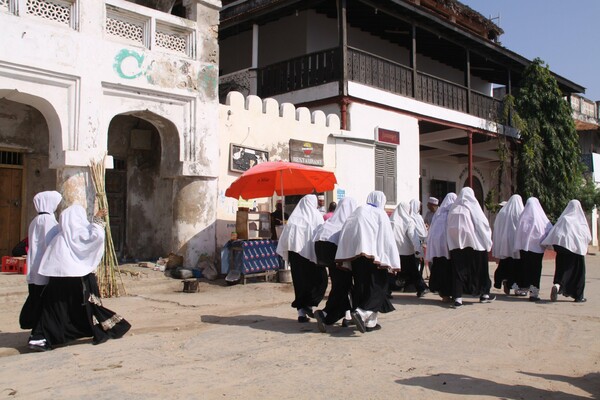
column 570, row 238
column 296, row 246
column 532, row 229
column 42, row 230
column 509, row 273
column 367, row 247
column 278, row 217
column 469, row 240
column 326, row 240
column 409, row 247
column 321, row 204
column 438, row 256
column 71, row 306
column 330, row 210
column 432, row 207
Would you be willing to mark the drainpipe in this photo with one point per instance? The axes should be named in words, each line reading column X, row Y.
column 344, row 113
column 470, row 151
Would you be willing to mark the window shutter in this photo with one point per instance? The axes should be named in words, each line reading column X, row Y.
column 385, row 172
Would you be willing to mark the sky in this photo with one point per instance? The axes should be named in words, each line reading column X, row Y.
column 563, row 33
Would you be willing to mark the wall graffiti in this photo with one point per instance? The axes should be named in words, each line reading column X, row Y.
column 166, row 73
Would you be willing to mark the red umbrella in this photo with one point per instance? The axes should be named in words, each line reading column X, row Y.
column 283, row 178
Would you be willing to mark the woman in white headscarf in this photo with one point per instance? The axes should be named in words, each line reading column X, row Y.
column 296, row 246
column 326, row 240
column 368, row 248
column 531, row 231
column 509, row 271
column 469, row 240
column 42, row 230
column 421, row 230
column 71, row 306
column 438, row 255
column 409, row 246
column 570, row 237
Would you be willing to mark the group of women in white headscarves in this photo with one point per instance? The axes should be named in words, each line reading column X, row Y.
column 357, row 246
column 460, row 238
column 64, row 301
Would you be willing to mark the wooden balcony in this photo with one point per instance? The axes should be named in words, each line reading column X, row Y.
column 362, row 67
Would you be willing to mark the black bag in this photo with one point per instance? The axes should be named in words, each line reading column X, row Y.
column 20, row 249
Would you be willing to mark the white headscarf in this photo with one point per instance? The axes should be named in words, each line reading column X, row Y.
column 505, row 229
column 298, row 232
column 368, row 232
column 571, row 230
column 437, row 244
column 467, row 225
column 42, row 230
column 330, row 230
column 420, row 227
column 532, row 228
column 77, row 249
column 405, row 233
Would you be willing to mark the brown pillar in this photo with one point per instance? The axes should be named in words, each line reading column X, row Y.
column 470, row 150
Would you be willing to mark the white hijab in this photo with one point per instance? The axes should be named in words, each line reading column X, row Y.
column 368, row 232
column 42, row 230
column 505, row 229
column 405, row 233
column 467, row 225
column 437, row 244
column 330, row 230
column 298, row 232
column 420, row 227
column 571, row 230
column 78, row 247
column 533, row 227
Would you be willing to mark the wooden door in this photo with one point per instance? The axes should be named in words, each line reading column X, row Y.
column 11, row 181
column 116, row 194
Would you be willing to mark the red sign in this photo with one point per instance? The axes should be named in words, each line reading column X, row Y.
column 388, row 136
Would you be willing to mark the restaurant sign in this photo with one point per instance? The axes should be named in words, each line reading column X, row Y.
column 308, row 153
column 388, row 136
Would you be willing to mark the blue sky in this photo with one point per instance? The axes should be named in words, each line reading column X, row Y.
column 565, row 34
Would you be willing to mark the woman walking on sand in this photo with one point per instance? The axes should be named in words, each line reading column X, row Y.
column 296, row 246
column 570, row 237
column 368, row 249
column 71, row 306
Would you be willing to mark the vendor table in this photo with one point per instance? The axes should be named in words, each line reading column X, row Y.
column 254, row 258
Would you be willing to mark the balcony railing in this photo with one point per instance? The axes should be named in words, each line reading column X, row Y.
column 322, row 67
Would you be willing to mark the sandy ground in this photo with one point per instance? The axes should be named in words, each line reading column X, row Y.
column 243, row 342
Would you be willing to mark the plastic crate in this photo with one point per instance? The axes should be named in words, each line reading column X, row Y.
column 16, row 265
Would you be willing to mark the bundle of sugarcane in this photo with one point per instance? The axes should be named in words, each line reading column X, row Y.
column 109, row 267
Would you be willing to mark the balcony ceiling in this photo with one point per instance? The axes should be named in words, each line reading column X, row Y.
column 391, row 20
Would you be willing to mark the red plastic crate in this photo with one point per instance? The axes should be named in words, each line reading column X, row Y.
column 14, row 264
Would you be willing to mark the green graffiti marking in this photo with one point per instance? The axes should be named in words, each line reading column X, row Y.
column 208, row 78
column 123, row 57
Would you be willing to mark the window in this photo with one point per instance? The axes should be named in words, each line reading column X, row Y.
column 439, row 189
column 385, row 172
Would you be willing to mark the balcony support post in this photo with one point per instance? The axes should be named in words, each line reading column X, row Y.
column 470, row 157
column 343, row 44
column 413, row 60
column 468, row 79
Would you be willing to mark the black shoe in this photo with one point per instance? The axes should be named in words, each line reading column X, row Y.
column 456, row 305
column 347, row 322
column 580, row 300
column 422, row 292
column 505, row 287
column 309, row 312
column 360, row 324
column 488, row 299
column 375, row 328
column 320, row 317
column 303, row 319
column 534, row 298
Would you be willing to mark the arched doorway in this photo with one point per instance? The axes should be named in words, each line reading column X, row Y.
column 139, row 196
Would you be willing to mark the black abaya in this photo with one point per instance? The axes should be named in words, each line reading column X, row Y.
column 470, row 272
column 338, row 301
column 309, row 280
column 532, row 266
column 440, row 278
column 370, row 286
column 569, row 273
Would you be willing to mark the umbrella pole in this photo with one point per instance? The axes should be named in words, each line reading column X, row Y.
column 285, row 265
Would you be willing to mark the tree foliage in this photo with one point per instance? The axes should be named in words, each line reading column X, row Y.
column 549, row 157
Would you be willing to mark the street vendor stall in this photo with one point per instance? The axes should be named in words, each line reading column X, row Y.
column 263, row 180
